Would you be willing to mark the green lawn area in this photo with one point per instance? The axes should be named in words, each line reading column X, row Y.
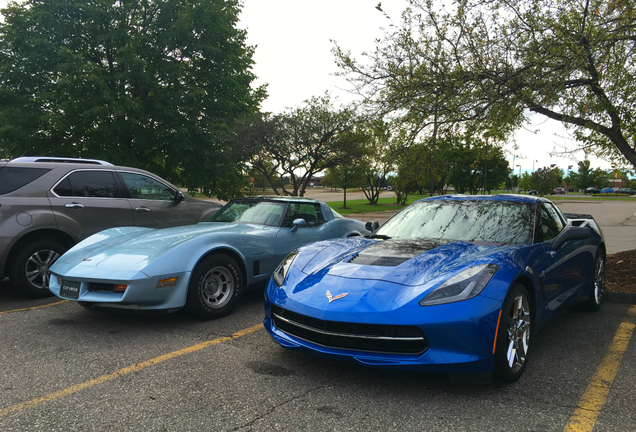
column 384, row 204
column 362, row 206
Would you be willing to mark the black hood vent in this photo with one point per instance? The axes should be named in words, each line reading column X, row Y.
column 393, row 252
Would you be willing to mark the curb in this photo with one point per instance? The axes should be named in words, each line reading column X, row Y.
column 620, row 297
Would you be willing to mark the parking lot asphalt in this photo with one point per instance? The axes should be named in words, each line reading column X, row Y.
column 68, row 369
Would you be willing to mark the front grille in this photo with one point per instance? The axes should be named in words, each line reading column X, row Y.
column 396, row 339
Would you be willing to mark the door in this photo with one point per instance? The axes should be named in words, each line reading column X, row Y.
column 563, row 277
column 153, row 202
column 88, row 201
column 315, row 229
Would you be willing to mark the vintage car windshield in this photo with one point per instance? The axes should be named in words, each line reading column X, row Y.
column 254, row 212
column 475, row 221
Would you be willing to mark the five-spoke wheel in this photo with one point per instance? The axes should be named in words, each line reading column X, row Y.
column 515, row 335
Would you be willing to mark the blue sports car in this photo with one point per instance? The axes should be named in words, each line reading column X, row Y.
column 449, row 284
column 204, row 267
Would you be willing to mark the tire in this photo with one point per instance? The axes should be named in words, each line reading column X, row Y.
column 597, row 285
column 515, row 335
column 30, row 269
column 215, row 288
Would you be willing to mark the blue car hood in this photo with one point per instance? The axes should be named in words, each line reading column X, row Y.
column 405, row 262
column 132, row 248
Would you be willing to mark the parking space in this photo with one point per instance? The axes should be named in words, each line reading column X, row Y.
column 66, row 368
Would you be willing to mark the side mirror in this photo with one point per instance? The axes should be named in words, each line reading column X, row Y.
column 179, row 196
column 571, row 233
column 298, row 223
column 372, row 226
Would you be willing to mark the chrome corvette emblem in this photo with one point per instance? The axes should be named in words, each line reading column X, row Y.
column 339, row 296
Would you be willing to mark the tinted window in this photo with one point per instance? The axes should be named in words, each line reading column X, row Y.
column 14, row 178
column 501, row 222
column 96, row 184
column 308, row 211
column 258, row 212
column 551, row 223
column 144, row 187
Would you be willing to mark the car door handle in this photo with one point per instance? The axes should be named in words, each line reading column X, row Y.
column 75, row 206
column 143, row 209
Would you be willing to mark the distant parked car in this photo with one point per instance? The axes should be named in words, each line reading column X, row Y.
column 204, row 267
column 607, row 190
column 625, row 191
column 532, row 192
column 592, row 190
column 558, row 191
column 48, row 204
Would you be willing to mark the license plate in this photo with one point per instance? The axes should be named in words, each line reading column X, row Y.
column 70, row 289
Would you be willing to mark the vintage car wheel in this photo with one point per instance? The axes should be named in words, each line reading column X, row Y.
column 215, row 287
column 597, row 287
column 30, row 270
column 515, row 335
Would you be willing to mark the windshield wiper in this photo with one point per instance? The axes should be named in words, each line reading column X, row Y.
column 380, row 236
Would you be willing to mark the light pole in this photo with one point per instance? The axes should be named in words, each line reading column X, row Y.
column 569, row 168
column 518, row 179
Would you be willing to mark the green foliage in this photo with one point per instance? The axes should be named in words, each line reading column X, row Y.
column 345, row 176
column 301, row 142
column 466, row 161
column 544, row 180
column 154, row 84
column 483, row 63
column 524, row 182
column 587, row 177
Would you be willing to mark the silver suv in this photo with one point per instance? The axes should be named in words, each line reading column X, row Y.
column 49, row 204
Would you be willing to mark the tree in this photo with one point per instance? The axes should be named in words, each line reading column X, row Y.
column 345, row 176
column 586, row 177
column 524, row 181
column 569, row 60
column 544, row 180
column 467, row 160
column 301, row 142
column 154, row 84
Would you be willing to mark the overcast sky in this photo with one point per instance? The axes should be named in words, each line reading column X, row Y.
column 293, row 40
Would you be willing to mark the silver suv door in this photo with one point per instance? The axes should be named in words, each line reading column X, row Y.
column 85, row 202
column 153, row 202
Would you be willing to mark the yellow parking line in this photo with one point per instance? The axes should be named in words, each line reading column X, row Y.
column 632, row 311
column 33, row 307
column 584, row 417
column 125, row 371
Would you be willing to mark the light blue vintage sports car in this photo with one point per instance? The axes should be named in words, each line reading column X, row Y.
column 204, row 267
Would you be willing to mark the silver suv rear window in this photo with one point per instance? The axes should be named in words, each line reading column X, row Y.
column 13, row 178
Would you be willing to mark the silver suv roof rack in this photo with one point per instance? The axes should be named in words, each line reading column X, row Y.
column 59, row 160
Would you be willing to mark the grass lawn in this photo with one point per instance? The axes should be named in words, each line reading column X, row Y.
column 362, row 206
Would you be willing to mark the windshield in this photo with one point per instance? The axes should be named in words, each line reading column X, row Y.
column 475, row 221
column 255, row 212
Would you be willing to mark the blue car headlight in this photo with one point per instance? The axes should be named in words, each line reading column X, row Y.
column 462, row 286
column 283, row 268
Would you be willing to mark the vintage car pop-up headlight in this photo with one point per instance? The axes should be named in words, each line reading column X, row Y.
column 281, row 272
column 462, row 286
